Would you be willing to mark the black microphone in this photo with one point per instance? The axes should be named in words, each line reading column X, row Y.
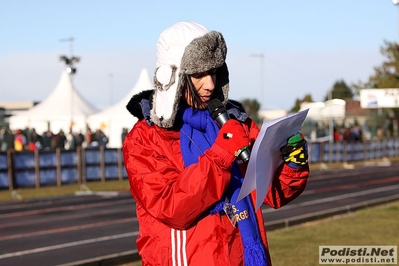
column 220, row 115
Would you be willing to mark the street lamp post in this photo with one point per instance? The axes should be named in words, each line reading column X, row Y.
column 396, row 2
column 110, row 88
column 70, row 61
column 330, row 118
column 262, row 65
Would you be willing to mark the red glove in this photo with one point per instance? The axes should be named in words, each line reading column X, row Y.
column 232, row 137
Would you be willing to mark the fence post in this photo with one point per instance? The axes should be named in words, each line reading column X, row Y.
column 321, row 154
column 102, row 164
column 58, row 164
column 396, row 146
column 83, row 166
column 10, row 166
column 79, row 164
column 37, row 168
column 384, row 154
column 120, row 165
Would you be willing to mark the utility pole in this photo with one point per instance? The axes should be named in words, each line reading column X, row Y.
column 110, row 88
column 396, row 3
column 330, row 118
column 71, row 60
column 70, row 40
column 262, row 66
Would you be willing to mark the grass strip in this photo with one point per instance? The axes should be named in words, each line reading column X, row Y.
column 67, row 189
column 299, row 245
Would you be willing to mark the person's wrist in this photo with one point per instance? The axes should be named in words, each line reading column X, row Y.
column 225, row 158
column 294, row 165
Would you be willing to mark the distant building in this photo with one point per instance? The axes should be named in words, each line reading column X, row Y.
column 324, row 111
column 336, row 112
column 2, row 114
column 268, row 115
column 355, row 113
column 9, row 108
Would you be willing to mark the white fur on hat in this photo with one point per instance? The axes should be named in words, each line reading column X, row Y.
column 173, row 41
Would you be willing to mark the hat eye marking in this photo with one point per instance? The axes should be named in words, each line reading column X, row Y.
column 164, row 76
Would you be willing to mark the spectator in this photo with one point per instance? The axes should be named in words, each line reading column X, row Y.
column 124, row 133
column 34, row 140
column 79, row 139
column 47, row 140
column 101, row 138
column 59, row 140
column 19, row 140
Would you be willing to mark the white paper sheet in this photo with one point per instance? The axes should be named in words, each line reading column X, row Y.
column 265, row 154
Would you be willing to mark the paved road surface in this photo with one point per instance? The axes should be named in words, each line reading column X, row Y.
column 94, row 229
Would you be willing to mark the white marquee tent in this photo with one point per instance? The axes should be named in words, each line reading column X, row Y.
column 61, row 109
column 115, row 118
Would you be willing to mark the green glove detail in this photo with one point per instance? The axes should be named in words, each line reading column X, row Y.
column 295, row 152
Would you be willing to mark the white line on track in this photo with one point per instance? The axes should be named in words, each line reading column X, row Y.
column 71, row 244
column 29, row 222
column 63, row 208
column 66, row 229
column 293, row 205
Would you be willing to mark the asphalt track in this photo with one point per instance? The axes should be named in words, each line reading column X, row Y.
column 100, row 229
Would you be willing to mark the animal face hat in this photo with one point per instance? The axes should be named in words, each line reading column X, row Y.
column 186, row 48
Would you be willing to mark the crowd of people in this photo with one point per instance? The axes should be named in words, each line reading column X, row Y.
column 29, row 139
column 355, row 132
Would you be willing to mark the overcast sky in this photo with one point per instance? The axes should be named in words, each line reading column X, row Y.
column 307, row 45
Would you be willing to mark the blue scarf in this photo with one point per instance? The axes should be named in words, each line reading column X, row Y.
column 197, row 134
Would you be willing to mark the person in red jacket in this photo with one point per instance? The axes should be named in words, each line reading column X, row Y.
column 185, row 172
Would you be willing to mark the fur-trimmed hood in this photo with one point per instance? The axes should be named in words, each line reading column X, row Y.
column 185, row 48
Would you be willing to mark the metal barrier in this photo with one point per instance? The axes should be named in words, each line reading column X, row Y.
column 49, row 168
column 343, row 151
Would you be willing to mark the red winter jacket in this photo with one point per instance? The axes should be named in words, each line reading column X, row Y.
column 172, row 201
